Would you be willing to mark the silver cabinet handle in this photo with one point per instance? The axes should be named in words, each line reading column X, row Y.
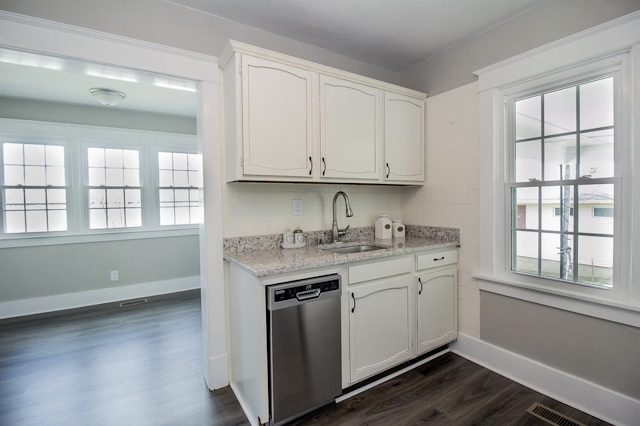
column 325, row 166
column 388, row 170
column 354, row 303
column 420, row 281
column 311, row 160
column 435, row 260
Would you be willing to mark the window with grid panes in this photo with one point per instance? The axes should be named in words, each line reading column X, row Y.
column 563, row 163
column 179, row 182
column 115, row 195
column 34, row 192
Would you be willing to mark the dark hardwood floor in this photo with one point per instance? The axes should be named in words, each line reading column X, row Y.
column 142, row 365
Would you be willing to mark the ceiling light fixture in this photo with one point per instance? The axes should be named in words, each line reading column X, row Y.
column 107, row 97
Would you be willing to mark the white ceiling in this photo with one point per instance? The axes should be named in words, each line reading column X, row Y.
column 393, row 34
column 57, row 80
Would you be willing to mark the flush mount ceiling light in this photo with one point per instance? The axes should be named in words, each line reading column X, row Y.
column 107, row 97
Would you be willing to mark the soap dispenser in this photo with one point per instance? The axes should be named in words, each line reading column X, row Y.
column 383, row 227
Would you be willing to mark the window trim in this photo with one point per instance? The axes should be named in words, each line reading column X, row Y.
column 72, row 136
column 617, row 42
column 157, row 186
column 616, row 66
column 38, row 140
column 147, row 219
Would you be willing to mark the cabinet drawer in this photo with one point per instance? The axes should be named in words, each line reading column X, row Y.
column 385, row 268
column 426, row 261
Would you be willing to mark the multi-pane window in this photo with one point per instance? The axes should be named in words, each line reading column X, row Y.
column 114, row 188
column 563, row 169
column 34, row 195
column 179, row 180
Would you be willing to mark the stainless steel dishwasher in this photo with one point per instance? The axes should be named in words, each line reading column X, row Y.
column 304, row 346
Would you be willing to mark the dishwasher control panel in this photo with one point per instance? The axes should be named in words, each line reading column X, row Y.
column 291, row 293
column 305, row 290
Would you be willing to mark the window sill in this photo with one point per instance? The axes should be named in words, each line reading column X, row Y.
column 50, row 240
column 607, row 309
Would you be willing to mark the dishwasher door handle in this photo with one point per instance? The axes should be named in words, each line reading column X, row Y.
column 306, row 295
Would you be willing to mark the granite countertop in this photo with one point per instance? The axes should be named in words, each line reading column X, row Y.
column 274, row 261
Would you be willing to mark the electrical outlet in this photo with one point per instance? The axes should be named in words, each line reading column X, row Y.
column 297, row 207
column 114, row 275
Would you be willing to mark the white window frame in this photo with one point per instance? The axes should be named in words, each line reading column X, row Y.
column 618, row 67
column 39, row 140
column 76, row 139
column 147, row 220
column 157, row 187
column 608, row 48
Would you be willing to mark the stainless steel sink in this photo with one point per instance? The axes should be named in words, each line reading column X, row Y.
column 355, row 249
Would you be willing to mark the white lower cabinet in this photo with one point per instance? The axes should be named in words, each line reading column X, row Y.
column 381, row 327
column 436, row 295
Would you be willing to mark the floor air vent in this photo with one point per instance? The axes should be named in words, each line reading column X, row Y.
column 552, row 417
column 133, row 302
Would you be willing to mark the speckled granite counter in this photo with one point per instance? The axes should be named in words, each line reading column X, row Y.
column 274, row 261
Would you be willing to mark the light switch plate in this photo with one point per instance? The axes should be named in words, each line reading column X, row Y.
column 297, row 207
column 114, row 276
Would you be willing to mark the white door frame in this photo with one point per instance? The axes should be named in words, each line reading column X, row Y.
column 42, row 36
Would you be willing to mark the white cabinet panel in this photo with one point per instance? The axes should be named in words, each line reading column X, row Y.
column 277, row 119
column 432, row 260
column 404, row 141
column 381, row 269
column 381, row 327
column 437, row 309
column 350, row 129
column 290, row 120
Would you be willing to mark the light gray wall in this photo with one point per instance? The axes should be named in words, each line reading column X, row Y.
column 177, row 26
column 30, row 272
column 27, row 109
column 603, row 352
column 551, row 20
column 52, row 270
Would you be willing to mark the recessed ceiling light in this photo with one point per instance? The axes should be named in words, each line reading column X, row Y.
column 107, row 97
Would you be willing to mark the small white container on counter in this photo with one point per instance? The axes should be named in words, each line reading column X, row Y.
column 383, row 227
column 293, row 240
column 398, row 229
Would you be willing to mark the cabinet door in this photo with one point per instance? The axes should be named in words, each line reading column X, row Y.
column 437, row 309
column 380, row 327
column 277, row 116
column 404, row 141
column 350, row 129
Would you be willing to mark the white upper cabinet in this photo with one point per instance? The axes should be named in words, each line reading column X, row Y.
column 290, row 120
column 350, row 129
column 404, row 135
column 277, row 119
column 437, row 309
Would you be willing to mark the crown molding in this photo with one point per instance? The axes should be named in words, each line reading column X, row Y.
column 71, row 29
column 635, row 16
column 613, row 37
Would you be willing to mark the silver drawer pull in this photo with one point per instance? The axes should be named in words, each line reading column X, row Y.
column 435, row 260
column 306, row 295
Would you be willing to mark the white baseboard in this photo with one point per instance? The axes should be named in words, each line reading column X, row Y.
column 38, row 305
column 218, row 372
column 593, row 399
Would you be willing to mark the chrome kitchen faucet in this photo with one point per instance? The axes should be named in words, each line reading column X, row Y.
column 335, row 231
